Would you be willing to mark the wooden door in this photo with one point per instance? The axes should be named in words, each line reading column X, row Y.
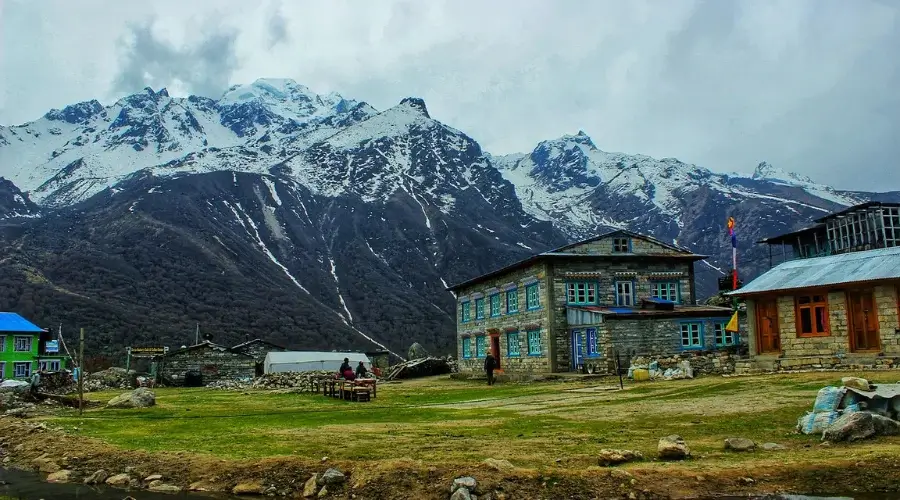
column 768, row 335
column 863, row 321
column 495, row 349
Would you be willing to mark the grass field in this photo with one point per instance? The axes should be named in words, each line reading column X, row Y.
column 443, row 421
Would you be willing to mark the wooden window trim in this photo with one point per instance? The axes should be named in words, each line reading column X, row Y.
column 812, row 307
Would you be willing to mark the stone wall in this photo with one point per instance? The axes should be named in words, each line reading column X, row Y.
column 831, row 352
column 660, row 339
column 792, row 345
column 721, row 362
column 639, row 246
column 888, row 304
column 211, row 362
column 258, row 350
column 837, row 342
column 550, row 318
column 521, row 321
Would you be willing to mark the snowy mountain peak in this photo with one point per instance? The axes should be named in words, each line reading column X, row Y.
column 416, row 103
column 270, row 90
column 766, row 171
column 80, row 113
column 579, row 138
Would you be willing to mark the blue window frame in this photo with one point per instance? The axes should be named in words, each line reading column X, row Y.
column 480, row 346
column 495, row 305
column 534, row 343
column 466, row 311
column 467, row 347
column 533, row 296
column 591, row 340
column 581, row 292
column 724, row 338
column 512, row 344
column 692, row 335
column 625, row 293
column 512, row 301
column 479, row 308
column 666, row 290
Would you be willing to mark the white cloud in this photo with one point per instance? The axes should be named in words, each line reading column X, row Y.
column 808, row 85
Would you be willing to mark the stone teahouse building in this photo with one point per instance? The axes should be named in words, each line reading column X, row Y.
column 572, row 308
column 257, row 349
column 836, row 301
column 204, row 363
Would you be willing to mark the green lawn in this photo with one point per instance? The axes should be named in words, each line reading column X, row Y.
column 446, row 421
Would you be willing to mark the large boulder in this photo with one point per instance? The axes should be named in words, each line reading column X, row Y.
column 61, row 476
column 331, row 477
column 98, row 477
column 885, row 426
column 467, row 482
column 119, row 480
column 138, row 398
column 856, row 383
column 673, row 448
column 852, row 426
column 416, row 351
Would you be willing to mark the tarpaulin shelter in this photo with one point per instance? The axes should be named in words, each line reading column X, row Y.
column 304, row 361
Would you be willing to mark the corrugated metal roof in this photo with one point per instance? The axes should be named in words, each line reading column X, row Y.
column 274, row 357
column 853, row 267
column 12, row 322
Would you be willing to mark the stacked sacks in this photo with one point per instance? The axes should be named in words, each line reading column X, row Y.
column 825, row 411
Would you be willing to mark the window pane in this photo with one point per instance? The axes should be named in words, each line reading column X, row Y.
column 805, row 320
column 803, row 300
column 820, row 319
column 512, row 344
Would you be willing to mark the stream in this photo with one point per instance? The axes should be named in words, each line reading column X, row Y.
column 22, row 485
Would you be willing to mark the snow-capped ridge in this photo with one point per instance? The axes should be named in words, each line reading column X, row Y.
column 766, row 171
column 416, row 103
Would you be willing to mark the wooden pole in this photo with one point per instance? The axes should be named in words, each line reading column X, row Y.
column 81, row 373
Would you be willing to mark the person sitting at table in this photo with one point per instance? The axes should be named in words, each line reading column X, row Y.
column 344, row 367
column 349, row 375
column 361, row 371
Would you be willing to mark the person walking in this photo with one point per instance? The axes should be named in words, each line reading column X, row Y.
column 489, row 365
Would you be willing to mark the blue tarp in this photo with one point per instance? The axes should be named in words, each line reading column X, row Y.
column 12, row 322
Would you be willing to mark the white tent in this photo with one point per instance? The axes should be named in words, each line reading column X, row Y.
column 304, row 361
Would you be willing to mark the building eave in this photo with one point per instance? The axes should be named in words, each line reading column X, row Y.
column 567, row 255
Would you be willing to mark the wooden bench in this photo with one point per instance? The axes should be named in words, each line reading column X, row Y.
column 350, row 390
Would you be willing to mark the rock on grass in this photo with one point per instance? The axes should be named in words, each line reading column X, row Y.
column 616, row 457
column 673, row 448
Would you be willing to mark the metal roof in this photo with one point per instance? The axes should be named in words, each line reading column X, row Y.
column 274, row 357
column 12, row 322
column 853, row 267
column 257, row 341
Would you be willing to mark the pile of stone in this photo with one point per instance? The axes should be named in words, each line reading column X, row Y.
column 297, row 381
column 685, row 365
column 111, row 378
column 856, row 410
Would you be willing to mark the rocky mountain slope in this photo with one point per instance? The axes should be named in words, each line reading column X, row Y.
column 319, row 222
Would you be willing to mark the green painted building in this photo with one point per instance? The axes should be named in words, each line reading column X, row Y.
column 25, row 348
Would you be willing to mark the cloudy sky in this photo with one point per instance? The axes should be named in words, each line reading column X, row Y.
column 810, row 86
